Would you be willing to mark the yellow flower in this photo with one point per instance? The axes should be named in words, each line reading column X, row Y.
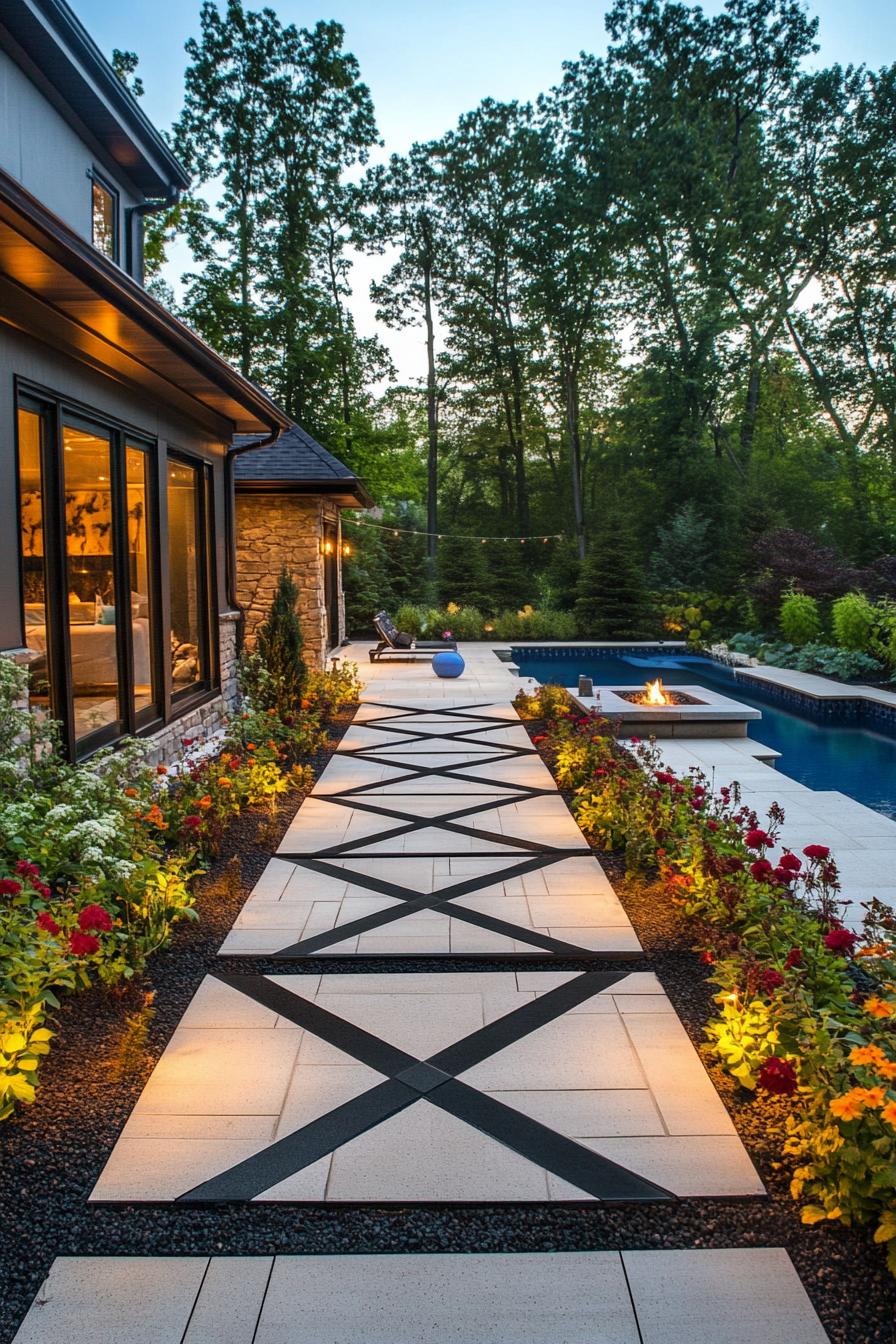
column 867, row 1054
column 879, row 1007
column 889, row 1113
column 850, row 1106
column 224, row 782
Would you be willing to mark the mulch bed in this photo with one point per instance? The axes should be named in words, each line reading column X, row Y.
column 52, row 1153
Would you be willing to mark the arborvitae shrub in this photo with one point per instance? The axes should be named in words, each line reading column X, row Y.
column 279, row 645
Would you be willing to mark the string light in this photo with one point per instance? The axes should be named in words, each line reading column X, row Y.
column 450, row 536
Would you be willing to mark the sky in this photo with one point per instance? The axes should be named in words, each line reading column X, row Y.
column 427, row 63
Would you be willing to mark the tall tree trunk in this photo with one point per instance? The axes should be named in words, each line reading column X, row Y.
column 344, row 371
column 432, row 407
column 751, row 410
column 571, row 392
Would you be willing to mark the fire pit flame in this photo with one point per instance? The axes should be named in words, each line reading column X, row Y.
column 655, row 695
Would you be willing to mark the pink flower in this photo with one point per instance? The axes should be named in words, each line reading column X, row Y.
column 757, row 839
column 840, row 940
column 816, row 851
column 778, row 1076
column 46, row 922
column 83, row 944
column 95, row 918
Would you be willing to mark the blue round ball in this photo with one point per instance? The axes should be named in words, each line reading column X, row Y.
column 448, row 664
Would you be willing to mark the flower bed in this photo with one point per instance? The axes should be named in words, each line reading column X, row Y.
column 806, row 1008
column 98, row 861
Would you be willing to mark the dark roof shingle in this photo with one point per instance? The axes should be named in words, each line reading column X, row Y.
column 297, row 459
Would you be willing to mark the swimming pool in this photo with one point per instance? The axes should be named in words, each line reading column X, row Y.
column 854, row 760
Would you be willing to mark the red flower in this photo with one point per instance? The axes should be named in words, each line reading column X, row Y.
column 757, row 839
column 712, row 825
column 761, row 870
column 778, row 1076
column 790, row 863
column 794, row 958
column 47, row 923
column 770, row 980
column 707, row 958
column 816, row 851
column 783, row 875
column 42, row 890
column 540, row 737
column 9, row 886
column 96, row 918
column 635, row 741
column 697, row 803
column 192, row 821
column 840, row 940
column 26, row 869
column 83, row 944
column 664, row 777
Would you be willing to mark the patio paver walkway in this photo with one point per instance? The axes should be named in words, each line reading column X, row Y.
column 389, row 1086
column 589, row 1297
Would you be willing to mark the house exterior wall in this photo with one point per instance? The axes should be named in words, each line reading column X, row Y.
column 28, row 361
column 40, row 149
column 273, row 530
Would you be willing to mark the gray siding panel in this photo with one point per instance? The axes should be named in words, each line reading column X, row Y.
column 41, row 150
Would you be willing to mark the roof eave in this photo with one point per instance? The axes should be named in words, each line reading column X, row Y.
column 349, row 493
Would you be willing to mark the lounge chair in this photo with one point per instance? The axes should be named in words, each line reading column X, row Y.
column 392, row 641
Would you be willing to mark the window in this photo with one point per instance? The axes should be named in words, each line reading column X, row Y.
column 189, row 575
column 90, row 565
column 32, row 441
column 104, row 218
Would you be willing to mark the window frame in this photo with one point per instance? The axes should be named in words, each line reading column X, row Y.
column 98, row 179
column 209, row 661
column 57, row 411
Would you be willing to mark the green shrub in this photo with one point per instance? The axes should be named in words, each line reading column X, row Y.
column 531, row 623
column 279, row 646
column 799, row 619
column 852, row 618
column 882, row 643
column 410, row 619
column 747, row 643
column 825, row 659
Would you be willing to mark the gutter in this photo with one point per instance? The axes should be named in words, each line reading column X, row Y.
column 230, row 525
column 135, row 262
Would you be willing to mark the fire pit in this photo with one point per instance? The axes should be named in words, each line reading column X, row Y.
column 656, row 696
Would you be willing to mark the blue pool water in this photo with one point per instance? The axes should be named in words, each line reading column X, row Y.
column 853, row 760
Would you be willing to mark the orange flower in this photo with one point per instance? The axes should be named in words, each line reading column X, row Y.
column 867, row 1054
column 225, row 783
column 875, row 1097
column 130, row 793
column 155, row 818
column 889, row 1113
column 205, row 802
column 879, row 1007
column 887, row 1069
column 850, row 1106
column 875, row 950
column 306, row 704
column 161, row 769
column 250, row 746
column 272, row 744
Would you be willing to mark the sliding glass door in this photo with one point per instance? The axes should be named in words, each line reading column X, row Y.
column 90, row 573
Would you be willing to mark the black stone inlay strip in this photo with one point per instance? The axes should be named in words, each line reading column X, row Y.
column 413, row 901
column 410, row 1080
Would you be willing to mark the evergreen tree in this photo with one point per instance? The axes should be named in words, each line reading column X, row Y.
column 462, row 573
column 559, row 582
column 279, row 645
column 612, row 598
column 367, row 581
column 682, row 550
column 511, row 581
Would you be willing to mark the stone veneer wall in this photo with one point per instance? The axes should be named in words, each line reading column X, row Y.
column 275, row 530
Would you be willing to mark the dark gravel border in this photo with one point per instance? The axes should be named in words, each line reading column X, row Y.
column 52, row 1153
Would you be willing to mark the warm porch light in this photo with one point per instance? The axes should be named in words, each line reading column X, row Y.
column 346, row 549
column 327, row 547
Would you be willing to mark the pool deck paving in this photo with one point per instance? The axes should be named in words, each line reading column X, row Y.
column 435, row 832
